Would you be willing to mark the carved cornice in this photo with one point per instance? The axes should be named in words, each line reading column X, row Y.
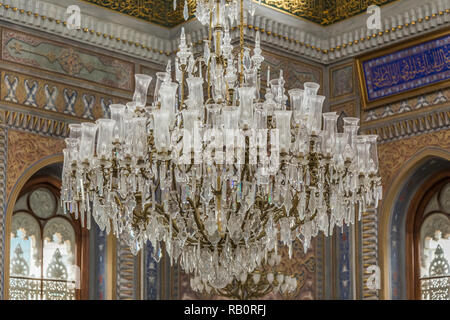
column 340, row 41
column 409, row 126
column 33, row 123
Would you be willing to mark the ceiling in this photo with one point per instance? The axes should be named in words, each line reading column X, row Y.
column 323, row 12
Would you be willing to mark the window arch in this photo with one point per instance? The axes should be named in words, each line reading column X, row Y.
column 46, row 247
column 429, row 241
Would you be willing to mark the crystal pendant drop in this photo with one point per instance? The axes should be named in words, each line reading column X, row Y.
column 186, row 11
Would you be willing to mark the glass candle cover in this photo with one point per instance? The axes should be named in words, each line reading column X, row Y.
column 260, row 117
column 311, row 88
column 277, row 87
column 161, row 131
column 142, row 81
column 87, row 143
column 195, row 92
column 139, row 136
column 246, row 95
column 361, row 154
column 251, row 80
column 73, row 146
column 341, row 142
column 190, row 124
column 213, row 116
column 105, row 137
column 296, row 99
column 161, row 77
column 329, row 130
column 315, row 118
column 168, row 93
column 373, row 152
column 118, row 114
column 283, row 120
column 75, row 130
column 231, row 117
column 351, row 128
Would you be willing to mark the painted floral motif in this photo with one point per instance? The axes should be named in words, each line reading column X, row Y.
column 25, row 149
column 70, row 61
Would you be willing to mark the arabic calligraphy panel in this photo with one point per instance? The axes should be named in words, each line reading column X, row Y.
column 421, row 64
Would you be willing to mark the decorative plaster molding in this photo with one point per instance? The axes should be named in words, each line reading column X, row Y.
column 402, row 20
column 125, row 273
column 33, row 124
column 434, row 120
column 369, row 250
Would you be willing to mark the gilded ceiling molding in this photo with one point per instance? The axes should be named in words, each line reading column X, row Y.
column 322, row 12
column 432, row 121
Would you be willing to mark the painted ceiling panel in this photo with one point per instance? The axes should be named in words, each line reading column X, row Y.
column 323, row 12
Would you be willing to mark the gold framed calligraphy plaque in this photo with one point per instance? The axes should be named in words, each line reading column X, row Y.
column 407, row 69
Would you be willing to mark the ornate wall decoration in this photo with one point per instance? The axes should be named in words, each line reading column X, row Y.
column 324, row 12
column 342, row 81
column 55, row 97
column 395, row 154
column 294, row 72
column 390, row 74
column 126, row 273
column 24, row 149
column 369, row 250
column 432, row 121
column 32, row 51
column 407, row 106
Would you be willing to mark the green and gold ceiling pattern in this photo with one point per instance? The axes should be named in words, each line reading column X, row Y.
column 323, row 12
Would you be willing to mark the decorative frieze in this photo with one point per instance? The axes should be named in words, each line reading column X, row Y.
column 321, row 46
column 41, row 94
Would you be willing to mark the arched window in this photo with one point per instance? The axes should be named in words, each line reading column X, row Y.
column 431, row 243
column 45, row 247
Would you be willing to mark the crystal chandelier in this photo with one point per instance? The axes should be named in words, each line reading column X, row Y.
column 220, row 177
